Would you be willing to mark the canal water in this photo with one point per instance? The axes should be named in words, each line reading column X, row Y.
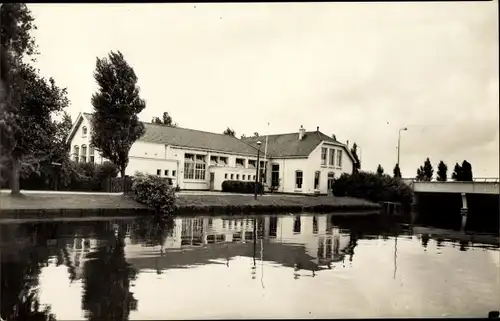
column 289, row 266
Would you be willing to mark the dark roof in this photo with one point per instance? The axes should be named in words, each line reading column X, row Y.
column 289, row 145
column 183, row 137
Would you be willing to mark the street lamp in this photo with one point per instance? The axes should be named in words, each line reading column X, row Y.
column 257, row 171
column 399, row 142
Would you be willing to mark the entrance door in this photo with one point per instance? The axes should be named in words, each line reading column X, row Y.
column 331, row 178
column 275, row 175
column 212, row 180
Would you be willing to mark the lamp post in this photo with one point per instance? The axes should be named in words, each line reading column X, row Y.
column 257, row 171
column 399, row 142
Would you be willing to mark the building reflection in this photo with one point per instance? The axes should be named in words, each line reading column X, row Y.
column 304, row 242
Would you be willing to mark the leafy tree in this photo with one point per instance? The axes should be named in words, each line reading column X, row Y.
column 457, row 174
column 380, row 170
column 27, row 139
column 117, row 103
column 466, row 171
column 397, row 171
column 230, row 132
column 165, row 120
column 441, row 173
column 428, row 170
column 255, row 134
column 357, row 163
column 243, row 136
column 420, row 174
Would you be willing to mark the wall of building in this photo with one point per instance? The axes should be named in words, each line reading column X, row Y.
column 80, row 140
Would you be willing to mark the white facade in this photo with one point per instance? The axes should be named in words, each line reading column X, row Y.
column 198, row 169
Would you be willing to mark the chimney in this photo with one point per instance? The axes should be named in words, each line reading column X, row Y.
column 347, row 143
column 317, row 129
column 302, row 132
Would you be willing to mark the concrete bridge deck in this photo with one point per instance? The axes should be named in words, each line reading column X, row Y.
column 457, row 187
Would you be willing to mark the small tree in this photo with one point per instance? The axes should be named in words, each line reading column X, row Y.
column 457, row 174
column 117, row 103
column 441, row 173
column 397, row 171
column 420, row 174
column 380, row 170
column 428, row 170
column 230, row 132
column 165, row 120
column 466, row 171
column 357, row 163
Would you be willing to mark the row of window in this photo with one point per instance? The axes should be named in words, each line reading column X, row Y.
column 299, row 179
column 194, row 166
column 237, row 176
column 331, row 153
column 166, row 173
column 80, row 155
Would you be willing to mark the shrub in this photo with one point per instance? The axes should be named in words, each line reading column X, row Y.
column 373, row 187
column 241, row 187
column 155, row 192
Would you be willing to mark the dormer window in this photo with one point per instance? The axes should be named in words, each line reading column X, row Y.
column 84, row 131
column 240, row 162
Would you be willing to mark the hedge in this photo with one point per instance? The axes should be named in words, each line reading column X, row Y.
column 241, row 187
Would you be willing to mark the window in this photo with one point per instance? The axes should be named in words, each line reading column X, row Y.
column 188, row 166
column 237, row 176
column 252, row 163
column 76, row 153
column 225, row 176
column 200, row 167
column 84, row 131
column 158, row 172
column 315, row 225
column 166, row 172
column 194, row 166
column 339, row 158
column 214, row 160
column 323, row 155
column 298, row 179
column 173, row 173
column 223, row 160
column 254, row 177
column 240, row 162
column 331, row 160
column 232, row 176
column 91, row 153
column 316, row 180
column 84, row 153
column 243, row 177
column 262, row 164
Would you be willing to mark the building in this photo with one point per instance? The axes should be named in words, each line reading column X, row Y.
column 303, row 162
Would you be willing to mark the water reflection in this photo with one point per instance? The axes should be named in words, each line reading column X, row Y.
column 109, row 268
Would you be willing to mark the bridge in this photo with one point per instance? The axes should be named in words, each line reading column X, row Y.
column 478, row 186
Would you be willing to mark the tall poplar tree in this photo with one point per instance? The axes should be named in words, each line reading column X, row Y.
column 115, row 122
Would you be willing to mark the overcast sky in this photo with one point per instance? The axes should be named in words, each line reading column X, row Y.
column 357, row 70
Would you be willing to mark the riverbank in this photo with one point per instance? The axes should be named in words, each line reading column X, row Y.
column 40, row 204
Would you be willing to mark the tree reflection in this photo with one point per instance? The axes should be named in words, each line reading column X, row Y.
column 107, row 276
column 152, row 231
column 21, row 264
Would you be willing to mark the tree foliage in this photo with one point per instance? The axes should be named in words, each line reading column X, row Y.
column 115, row 122
column 442, row 172
column 457, row 174
column 424, row 173
column 466, row 171
column 357, row 163
column 230, row 132
column 165, row 120
column 380, row 170
column 373, row 187
column 396, row 171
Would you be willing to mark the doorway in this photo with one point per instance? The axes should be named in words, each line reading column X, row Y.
column 212, row 181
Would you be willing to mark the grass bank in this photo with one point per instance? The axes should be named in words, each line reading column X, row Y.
column 52, row 205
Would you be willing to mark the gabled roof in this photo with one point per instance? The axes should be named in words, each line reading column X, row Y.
column 189, row 138
column 289, row 145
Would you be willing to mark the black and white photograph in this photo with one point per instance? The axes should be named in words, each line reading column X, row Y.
column 249, row 160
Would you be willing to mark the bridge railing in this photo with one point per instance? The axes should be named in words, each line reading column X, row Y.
column 476, row 179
